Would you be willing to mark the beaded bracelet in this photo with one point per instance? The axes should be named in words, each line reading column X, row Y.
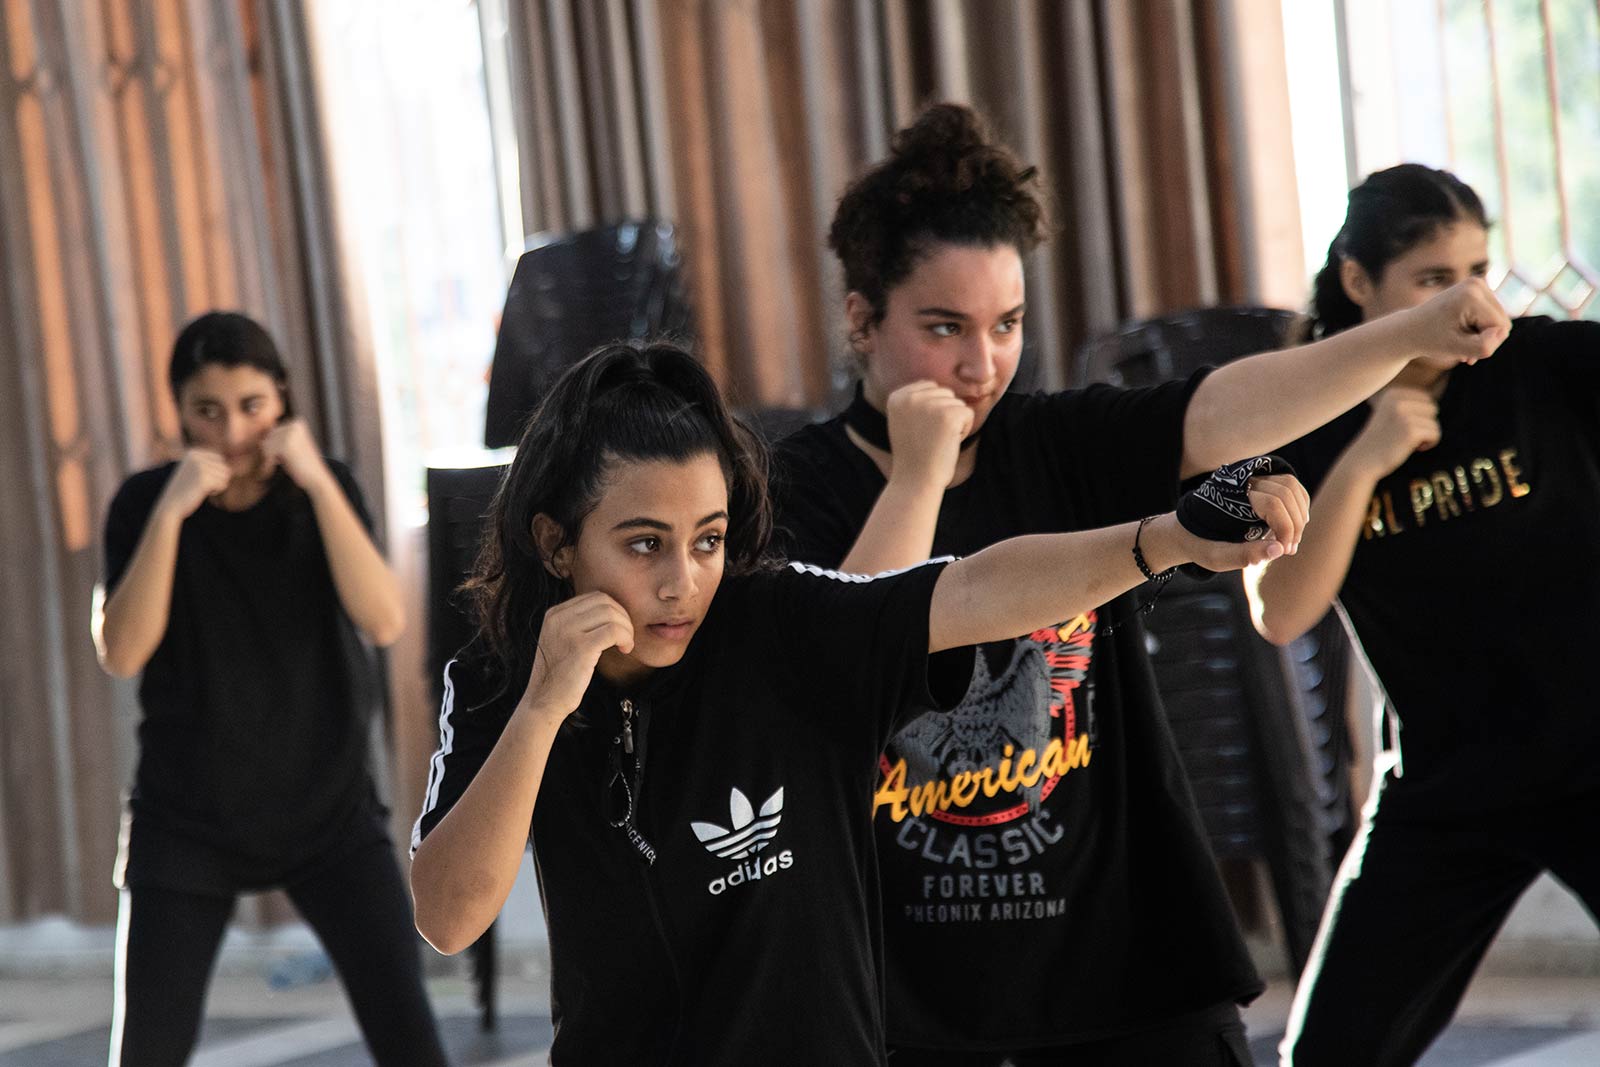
column 1144, row 568
column 1160, row 580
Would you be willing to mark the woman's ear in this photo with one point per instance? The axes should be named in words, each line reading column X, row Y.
column 1356, row 282
column 548, row 535
column 858, row 317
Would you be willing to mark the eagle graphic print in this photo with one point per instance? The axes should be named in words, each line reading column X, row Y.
column 965, row 789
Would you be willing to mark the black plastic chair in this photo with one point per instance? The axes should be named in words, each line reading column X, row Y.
column 572, row 293
column 1262, row 730
column 458, row 500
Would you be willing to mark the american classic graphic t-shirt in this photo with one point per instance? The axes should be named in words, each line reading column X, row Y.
column 1046, row 878
column 1475, row 585
column 712, row 895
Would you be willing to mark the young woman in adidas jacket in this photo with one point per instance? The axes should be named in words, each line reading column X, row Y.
column 691, row 734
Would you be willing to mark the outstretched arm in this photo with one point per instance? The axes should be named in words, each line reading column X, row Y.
column 1025, row 583
column 1254, row 405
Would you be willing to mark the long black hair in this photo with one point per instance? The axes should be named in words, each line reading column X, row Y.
column 1390, row 213
column 230, row 339
column 947, row 179
column 623, row 402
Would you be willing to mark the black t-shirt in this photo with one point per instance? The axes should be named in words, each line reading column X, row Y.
column 751, row 935
column 1475, row 586
column 252, row 745
column 1027, row 906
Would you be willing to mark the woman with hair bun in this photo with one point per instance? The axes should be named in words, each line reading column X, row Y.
column 1048, row 888
column 1458, row 523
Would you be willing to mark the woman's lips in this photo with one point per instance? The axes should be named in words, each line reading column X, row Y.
column 672, row 631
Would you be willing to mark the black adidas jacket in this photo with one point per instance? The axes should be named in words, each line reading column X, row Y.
column 712, row 897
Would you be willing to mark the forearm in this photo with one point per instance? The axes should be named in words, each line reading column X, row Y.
column 463, row 871
column 1254, row 405
column 899, row 531
column 134, row 618
column 1291, row 594
column 367, row 588
column 1026, row 583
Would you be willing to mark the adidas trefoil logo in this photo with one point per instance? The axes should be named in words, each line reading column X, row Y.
column 751, row 832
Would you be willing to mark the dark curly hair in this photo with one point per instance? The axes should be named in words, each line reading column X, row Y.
column 1390, row 213
column 624, row 402
column 947, row 180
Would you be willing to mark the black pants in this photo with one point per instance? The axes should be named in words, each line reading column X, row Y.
column 167, row 944
column 1413, row 911
column 1211, row 1038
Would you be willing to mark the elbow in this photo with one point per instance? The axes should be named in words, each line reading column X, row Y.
column 446, row 938
column 1272, row 625
column 438, row 914
column 119, row 668
column 387, row 628
column 115, row 659
column 1275, row 635
column 1269, row 612
column 444, row 927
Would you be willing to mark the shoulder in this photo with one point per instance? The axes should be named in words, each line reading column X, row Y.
column 1097, row 401
column 1541, row 335
column 147, row 482
column 810, row 448
column 807, row 580
column 345, row 476
column 479, row 691
column 140, row 491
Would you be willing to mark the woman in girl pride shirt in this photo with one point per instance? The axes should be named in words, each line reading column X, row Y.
column 1042, row 833
column 691, row 734
column 1458, row 522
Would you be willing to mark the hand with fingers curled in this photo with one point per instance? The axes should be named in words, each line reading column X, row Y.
column 290, row 445
column 1463, row 324
column 1404, row 420
column 927, row 423
column 201, row 473
column 1244, row 513
column 575, row 634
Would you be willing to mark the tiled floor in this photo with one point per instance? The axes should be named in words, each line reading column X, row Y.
column 66, row 1023
column 1505, row 1022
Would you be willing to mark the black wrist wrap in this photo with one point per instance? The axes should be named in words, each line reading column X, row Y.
column 1219, row 508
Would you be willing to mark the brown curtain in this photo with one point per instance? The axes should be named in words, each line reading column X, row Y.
column 741, row 121
column 157, row 158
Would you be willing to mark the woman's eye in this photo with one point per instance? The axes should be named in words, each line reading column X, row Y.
column 645, row 545
column 709, row 543
column 1008, row 326
column 945, row 329
column 206, row 411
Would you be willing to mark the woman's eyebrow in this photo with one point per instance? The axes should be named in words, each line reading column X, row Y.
column 643, row 523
